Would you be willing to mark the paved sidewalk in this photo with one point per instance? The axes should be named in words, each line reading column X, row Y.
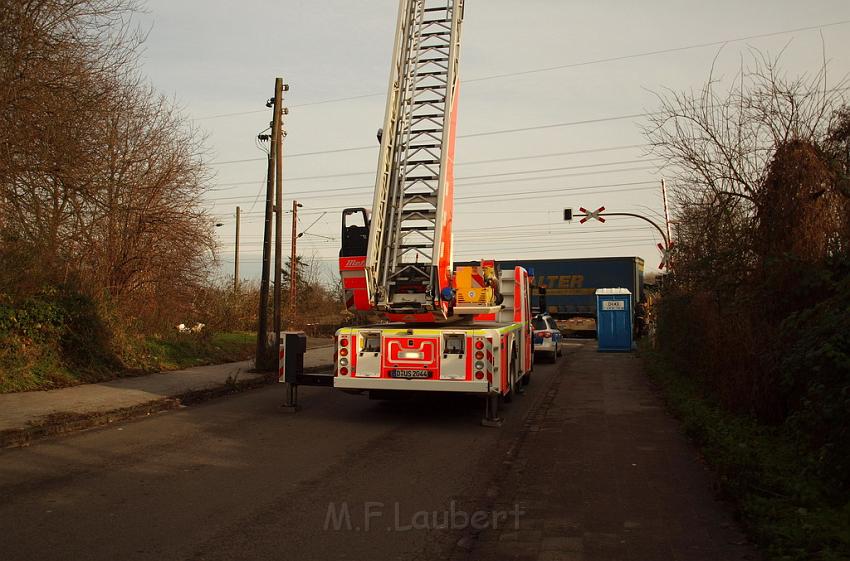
column 605, row 473
column 28, row 415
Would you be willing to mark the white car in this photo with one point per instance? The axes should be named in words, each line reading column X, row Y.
column 547, row 337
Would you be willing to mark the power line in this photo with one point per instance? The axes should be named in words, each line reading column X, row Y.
column 562, row 66
column 516, row 231
column 546, row 170
column 298, row 155
column 473, row 162
column 656, row 52
column 539, row 194
column 614, row 241
column 479, row 134
column 468, row 135
column 321, row 193
column 542, row 192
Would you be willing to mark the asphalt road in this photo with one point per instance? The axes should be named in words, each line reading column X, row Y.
column 236, row 478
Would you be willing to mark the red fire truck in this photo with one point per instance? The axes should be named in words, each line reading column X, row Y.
column 448, row 329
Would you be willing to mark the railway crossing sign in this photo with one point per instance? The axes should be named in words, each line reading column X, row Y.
column 592, row 214
column 665, row 248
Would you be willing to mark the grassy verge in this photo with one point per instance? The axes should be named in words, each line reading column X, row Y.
column 34, row 363
column 789, row 513
column 183, row 350
column 56, row 339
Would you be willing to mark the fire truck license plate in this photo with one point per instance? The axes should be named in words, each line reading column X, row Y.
column 410, row 374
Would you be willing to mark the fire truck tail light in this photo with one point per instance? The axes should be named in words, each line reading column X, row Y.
column 343, row 361
column 343, row 342
column 479, row 375
column 479, row 355
column 479, row 345
column 343, row 352
column 343, row 371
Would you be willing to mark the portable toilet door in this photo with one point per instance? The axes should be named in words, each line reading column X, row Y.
column 614, row 319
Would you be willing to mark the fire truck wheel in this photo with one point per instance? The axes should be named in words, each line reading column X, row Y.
column 512, row 380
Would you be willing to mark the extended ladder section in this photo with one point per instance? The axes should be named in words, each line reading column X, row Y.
column 409, row 255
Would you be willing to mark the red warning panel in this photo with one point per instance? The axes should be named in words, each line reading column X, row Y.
column 592, row 214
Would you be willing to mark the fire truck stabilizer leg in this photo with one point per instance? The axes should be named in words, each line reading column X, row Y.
column 491, row 411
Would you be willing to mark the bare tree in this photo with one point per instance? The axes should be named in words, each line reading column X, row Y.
column 100, row 177
column 718, row 146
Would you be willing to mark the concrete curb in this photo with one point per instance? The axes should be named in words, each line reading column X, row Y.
column 70, row 422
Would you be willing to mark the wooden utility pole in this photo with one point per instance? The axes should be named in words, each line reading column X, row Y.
column 293, row 266
column 236, row 256
column 280, row 87
column 261, row 359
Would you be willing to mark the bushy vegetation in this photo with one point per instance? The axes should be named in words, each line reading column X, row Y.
column 764, row 469
column 57, row 338
column 755, row 319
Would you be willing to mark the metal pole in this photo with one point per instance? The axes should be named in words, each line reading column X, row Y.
column 278, row 222
column 263, row 323
column 644, row 218
column 293, row 266
column 236, row 256
column 666, row 212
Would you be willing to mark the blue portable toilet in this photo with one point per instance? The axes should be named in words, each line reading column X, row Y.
column 614, row 315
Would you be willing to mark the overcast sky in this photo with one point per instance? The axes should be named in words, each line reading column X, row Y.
column 219, row 61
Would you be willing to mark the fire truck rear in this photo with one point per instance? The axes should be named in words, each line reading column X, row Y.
column 490, row 354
